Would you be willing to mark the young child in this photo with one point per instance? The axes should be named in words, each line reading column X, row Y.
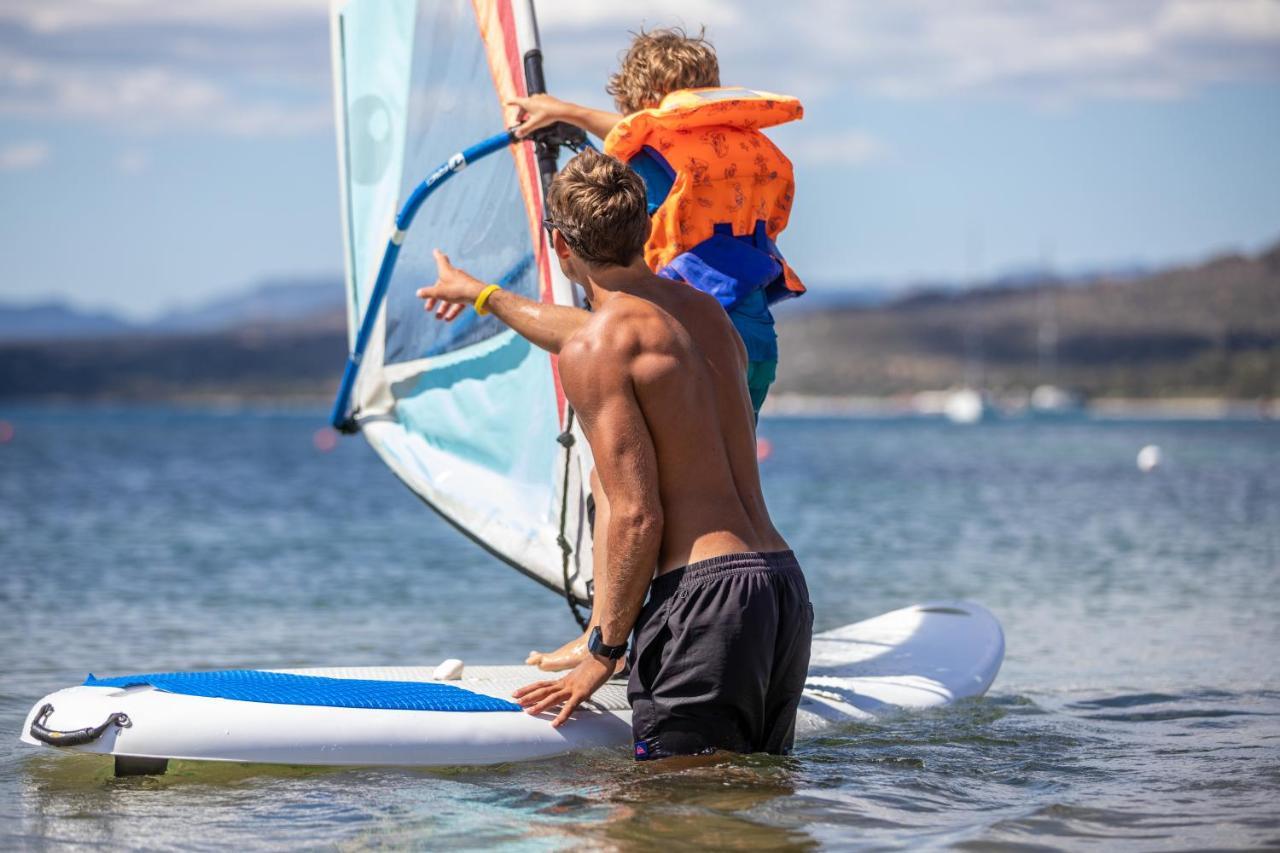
column 719, row 191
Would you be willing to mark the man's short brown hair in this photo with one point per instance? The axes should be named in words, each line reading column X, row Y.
column 658, row 63
column 599, row 205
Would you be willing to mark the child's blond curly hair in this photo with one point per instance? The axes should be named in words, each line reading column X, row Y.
column 658, row 63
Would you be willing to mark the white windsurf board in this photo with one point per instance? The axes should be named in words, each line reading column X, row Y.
column 917, row 657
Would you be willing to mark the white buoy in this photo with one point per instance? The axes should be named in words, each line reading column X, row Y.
column 450, row 670
column 1148, row 458
column 964, row 406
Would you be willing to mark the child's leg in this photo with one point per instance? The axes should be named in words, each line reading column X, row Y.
column 760, row 375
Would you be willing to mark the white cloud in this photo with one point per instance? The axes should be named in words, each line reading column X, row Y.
column 149, row 98
column 588, row 14
column 845, row 148
column 22, row 156
column 1242, row 20
column 1043, row 51
column 260, row 67
column 52, row 16
column 239, row 67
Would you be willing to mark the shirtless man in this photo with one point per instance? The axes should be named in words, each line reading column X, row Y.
column 656, row 375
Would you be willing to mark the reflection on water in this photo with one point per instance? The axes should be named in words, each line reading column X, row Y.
column 1139, row 704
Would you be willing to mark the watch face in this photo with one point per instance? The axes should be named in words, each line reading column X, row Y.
column 595, row 645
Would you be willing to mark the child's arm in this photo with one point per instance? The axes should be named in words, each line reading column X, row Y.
column 538, row 111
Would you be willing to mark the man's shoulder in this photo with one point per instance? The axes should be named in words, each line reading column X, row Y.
column 612, row 327
column 603, row 348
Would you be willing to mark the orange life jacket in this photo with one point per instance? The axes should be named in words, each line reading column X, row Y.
column 727, row 173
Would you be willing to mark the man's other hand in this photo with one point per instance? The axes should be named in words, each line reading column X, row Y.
column 569, row 692
column 453, row 291
column 537, row 112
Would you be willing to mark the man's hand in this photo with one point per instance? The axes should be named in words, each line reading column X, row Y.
column 570, row 691
column 453, row 291
column 537, row 112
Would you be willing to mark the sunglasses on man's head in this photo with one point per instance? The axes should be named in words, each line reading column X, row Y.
column 552, row 225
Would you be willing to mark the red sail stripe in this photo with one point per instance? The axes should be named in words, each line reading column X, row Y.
column 529, row 174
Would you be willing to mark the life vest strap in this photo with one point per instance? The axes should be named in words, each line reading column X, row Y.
column 731, row 266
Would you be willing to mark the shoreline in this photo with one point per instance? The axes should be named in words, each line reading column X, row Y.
column 1101, row 408
column 783, row 405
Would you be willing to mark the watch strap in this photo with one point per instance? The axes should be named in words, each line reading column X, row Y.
column 596, row 645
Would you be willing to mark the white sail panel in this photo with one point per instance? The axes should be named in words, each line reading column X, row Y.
column 372, row 56
column 466, row 413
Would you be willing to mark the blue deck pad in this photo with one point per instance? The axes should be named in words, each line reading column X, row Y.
column 278, row 688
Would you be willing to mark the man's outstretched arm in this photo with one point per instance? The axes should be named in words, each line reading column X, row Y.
column 543, row 325
column 596, row 378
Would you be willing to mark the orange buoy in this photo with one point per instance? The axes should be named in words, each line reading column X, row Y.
column 324, row 439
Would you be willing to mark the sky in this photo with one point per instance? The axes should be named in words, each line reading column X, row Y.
column 156, row 154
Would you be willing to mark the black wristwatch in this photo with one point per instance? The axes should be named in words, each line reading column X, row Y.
column 596, row 645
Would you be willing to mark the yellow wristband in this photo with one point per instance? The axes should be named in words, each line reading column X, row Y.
column 484, row 297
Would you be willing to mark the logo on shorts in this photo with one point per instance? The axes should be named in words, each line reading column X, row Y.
column 642, row 749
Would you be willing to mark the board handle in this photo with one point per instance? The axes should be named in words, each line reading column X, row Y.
column 75, row 737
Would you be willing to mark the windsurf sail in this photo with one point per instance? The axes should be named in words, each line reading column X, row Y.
column 468, row 414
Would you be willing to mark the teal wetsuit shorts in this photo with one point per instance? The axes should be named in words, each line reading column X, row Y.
column 760, row 375
column 754, row 322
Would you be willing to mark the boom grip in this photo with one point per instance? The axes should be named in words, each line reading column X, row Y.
column 75, row 737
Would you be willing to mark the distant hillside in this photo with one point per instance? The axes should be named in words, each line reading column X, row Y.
column 1209, row 330
column 274, row 302
column 56, row 320
column 260, row 363
column 282, row 339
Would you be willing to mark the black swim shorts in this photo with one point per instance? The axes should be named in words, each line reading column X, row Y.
column 719, row 657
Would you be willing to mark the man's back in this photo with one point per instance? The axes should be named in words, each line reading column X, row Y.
column 720, row 637
column 686, row 364
column 721, row 648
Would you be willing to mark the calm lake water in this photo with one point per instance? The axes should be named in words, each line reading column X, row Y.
column 1139, row 704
